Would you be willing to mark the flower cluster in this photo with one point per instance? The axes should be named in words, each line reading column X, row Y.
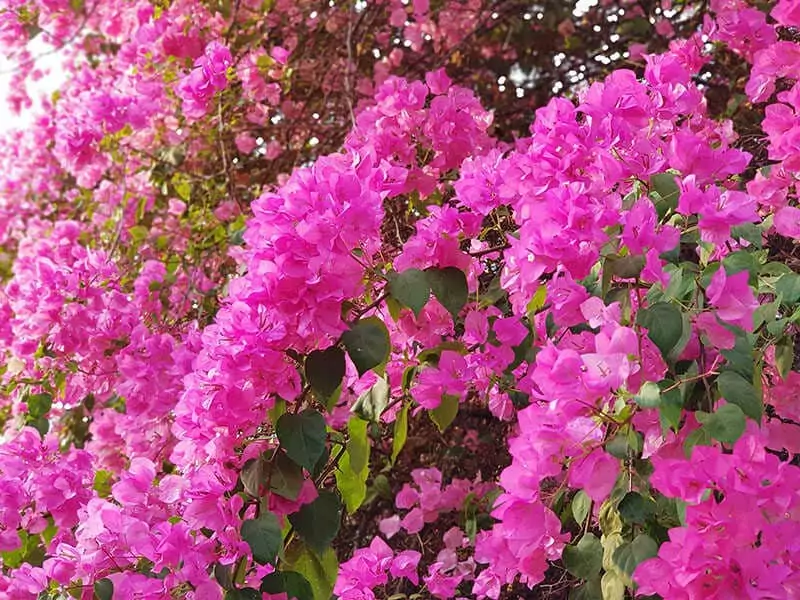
column 202, row 367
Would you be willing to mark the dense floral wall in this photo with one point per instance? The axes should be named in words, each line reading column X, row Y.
column 450, row 299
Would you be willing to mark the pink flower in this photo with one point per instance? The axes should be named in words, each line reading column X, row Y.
column 733, row 298
column 438, row 82
column 405, row 565
column 280, row 55
column 596, row 474
column 207, row 78
column 787, row 12
column 787, row 222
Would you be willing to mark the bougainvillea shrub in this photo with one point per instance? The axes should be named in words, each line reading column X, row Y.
column 259, row 258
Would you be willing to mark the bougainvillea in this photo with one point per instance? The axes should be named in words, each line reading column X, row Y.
column 258, row 258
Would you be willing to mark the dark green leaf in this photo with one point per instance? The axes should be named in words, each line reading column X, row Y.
column 223, row 575
column 739, row 391
column 371, row 404
column 664, row 325
column 318, row 523
column 625, row 267
column 39, row 404
column 412, row 288
column 635, row 508
column 444, row 414
column 628, row 556
column 618, row 446
column 588, row 590
column 254, row 475
column 726, row 424
column 293, row 584
column 247, row 593
column 585, row 559
column 666, row 187
column 302, row 436
column 368, row 344
column 321, row 464
column 263, row 535
column 449, row 285
column 42, row 425
column 286, row 476
column 325, row 370
column 104, row 589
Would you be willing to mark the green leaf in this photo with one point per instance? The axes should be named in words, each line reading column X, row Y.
column 742, row 260
column 224, row 575
column 737, row 390
column 320, row 570
column 449, row 285
column 104, row 589
column 666, row 187
column 412, row 288
column 671, row 408
column 628, row 556
column 581, row 505
column 318, row 523
column 39, row 404
column 788, row 286
column 635, row 508
column 254, row 475
column 585, row 559
column 400, row 432
column 699, row 437
column 371, row 404
column 726, row 424
column 784, row 356
column 612, row 587
column 664, row 325
column 182, row 187
column 625, row 267
column 102, row 483
column 325, row 370
column 618, row 446
column 264, row 537
column 740, row 357
column 765, row 313
column 444, row 414
column 588, row 590
column 285, row 477
column 686, row 334
column 29, row 551
column 368, row 344
column 352, row 485
column 139, row 233
column 42, row 425
column 649, row 395
column 293, row 584
column 302, row 436
column 358, row 443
